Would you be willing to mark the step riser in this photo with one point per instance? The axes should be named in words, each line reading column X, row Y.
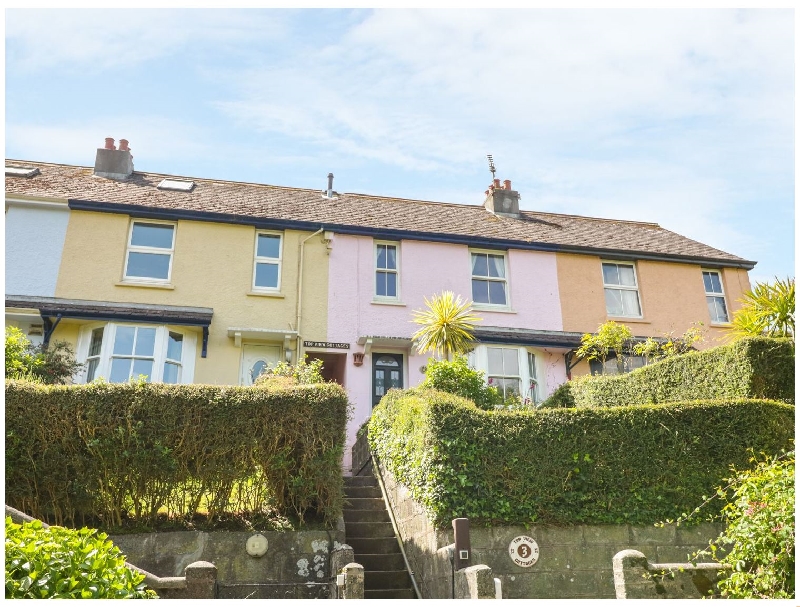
column 360, row 481
column 389, row 594
column 365, row 503
column 365, row 530
column 355, row 492
column 380, row 562
column 374, row 545
column 387, row 580
column 365, row 516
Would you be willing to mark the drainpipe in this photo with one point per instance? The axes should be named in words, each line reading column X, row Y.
column 300, row 293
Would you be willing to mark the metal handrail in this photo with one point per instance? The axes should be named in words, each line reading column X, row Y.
column 385, row 495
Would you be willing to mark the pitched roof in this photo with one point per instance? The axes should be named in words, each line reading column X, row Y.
column 218, row 200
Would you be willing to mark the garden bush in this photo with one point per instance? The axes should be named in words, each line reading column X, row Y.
column 103, row 453
column 756, row 367
column 758, row 541
column 457, row 378
column 60, row 563
column 635, row 465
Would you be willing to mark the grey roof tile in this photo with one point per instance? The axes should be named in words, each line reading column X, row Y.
column 258, row 201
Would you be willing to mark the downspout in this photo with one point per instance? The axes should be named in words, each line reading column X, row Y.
column 300, row 294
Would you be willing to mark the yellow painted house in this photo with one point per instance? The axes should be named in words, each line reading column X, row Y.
column 181, row 297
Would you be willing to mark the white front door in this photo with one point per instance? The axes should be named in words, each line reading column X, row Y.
column 255, row 359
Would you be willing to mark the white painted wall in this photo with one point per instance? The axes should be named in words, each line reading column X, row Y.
column 34, row 242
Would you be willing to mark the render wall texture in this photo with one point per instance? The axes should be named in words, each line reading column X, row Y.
column 426, row 269
column 212, row 267
column 34, row 242
column 575, row 562
column 672, row 297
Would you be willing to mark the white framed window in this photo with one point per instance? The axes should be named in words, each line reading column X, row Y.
column 534, row 391
column 149, row 255
column 267, row 261
column 503, row 370
column 621, row 289
column 387, row 271
column 715, row 296
column 489, row 278
column 120, row 352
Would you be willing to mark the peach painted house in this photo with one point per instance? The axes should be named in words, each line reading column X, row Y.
column 219, row 279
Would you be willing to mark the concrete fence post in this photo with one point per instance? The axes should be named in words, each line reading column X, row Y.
column 476, row 582
column 353, row 581
column 201, row 580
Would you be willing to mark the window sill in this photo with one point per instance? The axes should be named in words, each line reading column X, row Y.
column 381, row 302
column 275, row 295
column 146, row 285
column 499, row 309
column 640, row 321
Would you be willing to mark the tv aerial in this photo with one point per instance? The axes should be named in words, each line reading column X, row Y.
column 491, row 165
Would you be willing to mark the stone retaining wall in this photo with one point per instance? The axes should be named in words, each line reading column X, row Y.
column 574, row 562
column 296, row 564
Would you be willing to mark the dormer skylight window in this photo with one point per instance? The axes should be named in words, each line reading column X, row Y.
column 176, row 185
column 21, row 171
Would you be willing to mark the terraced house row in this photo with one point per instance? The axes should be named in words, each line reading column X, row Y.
column 200, row 280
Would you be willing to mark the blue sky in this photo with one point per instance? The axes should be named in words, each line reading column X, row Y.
column 680, row 117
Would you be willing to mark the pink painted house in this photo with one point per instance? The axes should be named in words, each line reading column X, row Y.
column 376, row 282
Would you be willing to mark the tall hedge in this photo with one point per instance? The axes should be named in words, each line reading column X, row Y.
column 102, row 452
column 756, row 367
column 635, row 465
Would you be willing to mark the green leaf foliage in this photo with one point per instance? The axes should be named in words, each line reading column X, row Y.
column 106, row 453
column 448, row 325
column 55, row 364
column 766, row 310
column 760, row 533
column 61, row 563
column 636, row 465
column 456, row 377
column 757, row 367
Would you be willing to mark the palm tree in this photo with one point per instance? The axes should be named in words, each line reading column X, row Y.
column 768, row 310
column 447, row 325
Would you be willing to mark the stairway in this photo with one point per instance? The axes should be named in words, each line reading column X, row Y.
column 368, row 530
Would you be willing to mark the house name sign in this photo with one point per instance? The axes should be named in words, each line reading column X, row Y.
column 326, row 344
column 524, row 551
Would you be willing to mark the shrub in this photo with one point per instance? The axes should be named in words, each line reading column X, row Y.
column 456, row 377
column 284, row 375
column 767, row 310
column 104, row 453
column 55, row 364
column 60, row 563
column 633, row 465
column 756, row 367
column 760, row 533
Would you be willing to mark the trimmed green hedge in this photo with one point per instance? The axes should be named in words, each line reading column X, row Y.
column 635, row 465
column 102, row 453
column 757, row 367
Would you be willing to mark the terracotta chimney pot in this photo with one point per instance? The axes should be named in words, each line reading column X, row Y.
column 123, row 145
column 497, row 183
column 110, row 143
column 506, row 183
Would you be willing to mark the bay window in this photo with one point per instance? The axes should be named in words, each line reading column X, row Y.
column 122, row 352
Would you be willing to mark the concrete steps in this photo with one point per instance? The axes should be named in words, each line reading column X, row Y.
column 369, row 531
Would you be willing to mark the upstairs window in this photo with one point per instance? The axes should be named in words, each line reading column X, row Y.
column 621, row 290
column 387, row 272
column 267, row 263
column 715, row 297
column 489, row 283
column 149, row 255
